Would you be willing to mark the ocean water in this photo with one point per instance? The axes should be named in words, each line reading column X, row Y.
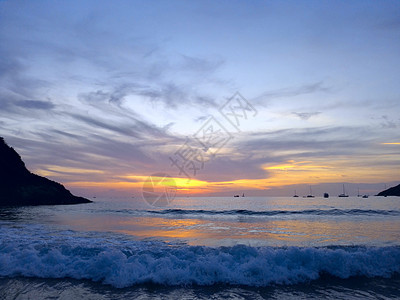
column 202, row 248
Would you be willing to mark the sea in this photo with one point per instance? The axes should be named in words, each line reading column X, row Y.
column 203, row 248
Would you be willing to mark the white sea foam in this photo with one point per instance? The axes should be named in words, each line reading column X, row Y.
column 120, row 262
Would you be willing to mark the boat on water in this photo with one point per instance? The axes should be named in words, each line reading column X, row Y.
column 309, row 195
column 343, row 194
column 243, row 195
column 326, row 195
column 295, row 194
column 362, row 196
column 236, row 196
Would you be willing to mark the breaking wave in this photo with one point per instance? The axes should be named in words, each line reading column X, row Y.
column 120, row 262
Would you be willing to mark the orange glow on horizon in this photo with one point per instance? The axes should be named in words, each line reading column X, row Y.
column 288, row 173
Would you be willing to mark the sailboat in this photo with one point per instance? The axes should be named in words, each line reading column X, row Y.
column 295, row 194
column 309, row 195
column 343, row 194
column 362, row 196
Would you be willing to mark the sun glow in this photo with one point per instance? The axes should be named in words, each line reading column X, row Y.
column 291, row 172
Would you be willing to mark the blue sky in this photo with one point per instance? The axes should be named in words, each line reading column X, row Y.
column 100, row 91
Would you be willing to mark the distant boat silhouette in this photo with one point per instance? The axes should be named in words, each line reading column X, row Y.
column 326, row 195
column 358, row 193
column 310, row 195
column 365, row 196
column 243, row 195
column 295, row 194
column 236, row 196
column 343, row 194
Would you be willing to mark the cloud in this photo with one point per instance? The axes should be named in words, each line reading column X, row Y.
column 289, row 144
column 35, row 104
column 293, row 91
column 174, row 95
column 168, row 126
column 137, row 66
column 115, row 94
column 388, row 123
column 305, row 115
column 201, row 119
column 97, row 123
column 200, row 65
column 245, row 155
column 12, row 108
column 16, row 84
column 129, row 127
column 110, row 155
column 227, row 168
column 170, row 94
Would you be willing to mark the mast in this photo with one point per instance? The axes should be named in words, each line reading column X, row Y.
column 344, row 193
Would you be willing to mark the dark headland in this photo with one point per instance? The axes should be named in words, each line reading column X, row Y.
column 393, row 191
column 18, row 186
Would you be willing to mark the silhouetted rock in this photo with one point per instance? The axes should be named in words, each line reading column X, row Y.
column 393, row 191
column 18, row 186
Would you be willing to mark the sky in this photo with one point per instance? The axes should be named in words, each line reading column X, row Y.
column 262, row 97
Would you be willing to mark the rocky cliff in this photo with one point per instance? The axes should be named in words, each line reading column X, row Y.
column 393, row 191
column 18, row 186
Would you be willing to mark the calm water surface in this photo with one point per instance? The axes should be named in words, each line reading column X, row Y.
column 254, row 221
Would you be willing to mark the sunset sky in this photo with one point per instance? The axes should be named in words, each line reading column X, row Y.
column 98, row 95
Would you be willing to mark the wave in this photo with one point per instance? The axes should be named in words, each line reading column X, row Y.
column 123, row 263
column 327, row 212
